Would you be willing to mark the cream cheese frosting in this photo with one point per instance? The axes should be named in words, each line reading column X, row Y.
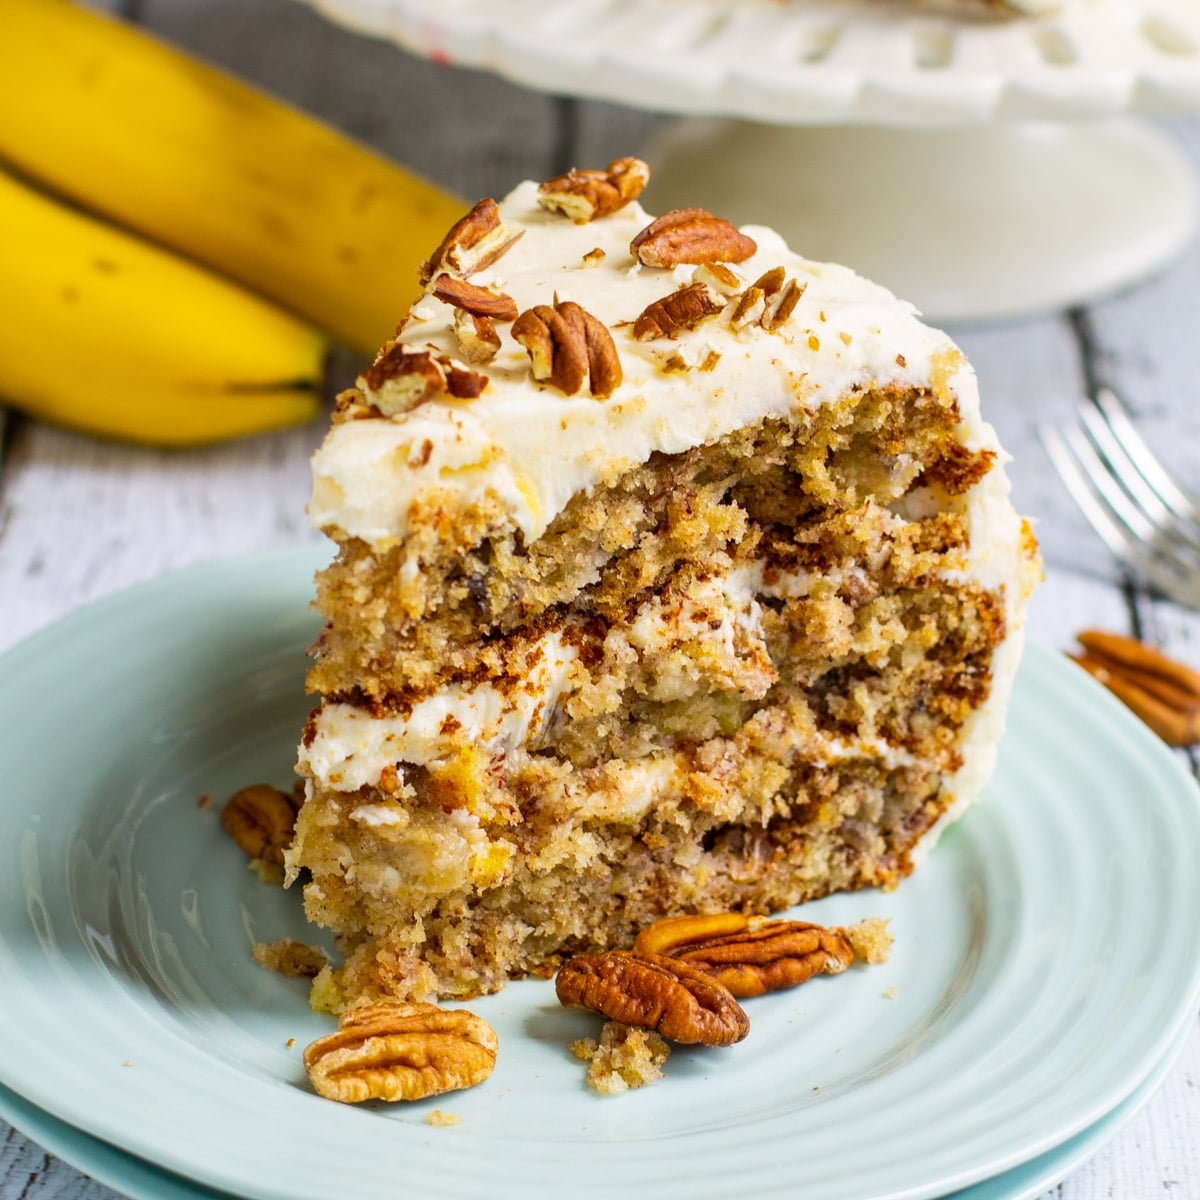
column 530, row 448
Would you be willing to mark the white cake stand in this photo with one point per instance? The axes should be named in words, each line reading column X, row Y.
column 982, row 168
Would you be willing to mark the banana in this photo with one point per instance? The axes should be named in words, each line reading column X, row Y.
column 108, row 334
column 174, row 149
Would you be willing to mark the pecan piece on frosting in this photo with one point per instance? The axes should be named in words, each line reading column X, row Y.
column 261, row 819
column 585, row 195
column 651, row 991
column 690, row 235
column 749, row 955
column 476, row 300
column 1164, row 693
column 400, row 378
column 682, row 309
column 474, row 242
column 395, row 1051
column 477, row 337
column 568, row 346
column 719, row 277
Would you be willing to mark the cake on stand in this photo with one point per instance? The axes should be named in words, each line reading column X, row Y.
column 984, row 168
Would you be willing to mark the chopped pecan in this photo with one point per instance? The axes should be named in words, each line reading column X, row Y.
column 749, row 309
column 768, row 301
column 474, row 242
column 477, row 337
column 690, row 235
column 684, row 309
column 400, row 378
column 782, row 305
column 749, row 955
column 476, row 300
column 651, row 991
column 720, row 277
column 1164, row 693
column 585, row 195
column 396, row 1051
column 261, row 819
column 771, row 281
column 351, row 405
column 568, row 346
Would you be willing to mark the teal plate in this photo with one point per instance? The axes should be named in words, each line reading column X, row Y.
column 143, row 1181
column 1046, row 955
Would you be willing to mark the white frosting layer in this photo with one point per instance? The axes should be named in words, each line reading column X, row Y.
column 351, row 747
column 532, row 448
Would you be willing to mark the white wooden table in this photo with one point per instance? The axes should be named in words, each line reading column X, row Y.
column 80, row 518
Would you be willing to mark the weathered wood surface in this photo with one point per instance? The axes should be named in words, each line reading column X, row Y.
column 80, row 518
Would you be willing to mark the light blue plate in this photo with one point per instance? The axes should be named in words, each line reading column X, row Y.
column 142, row 1181
column 1046, row 955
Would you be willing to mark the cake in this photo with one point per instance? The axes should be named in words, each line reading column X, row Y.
column 675, row 573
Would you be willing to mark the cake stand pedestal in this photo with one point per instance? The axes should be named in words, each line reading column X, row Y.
column 971, row 224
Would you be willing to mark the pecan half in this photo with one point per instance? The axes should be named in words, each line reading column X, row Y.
column 400, row 378
column 261, row 819
column 651, row 991
column 1164, row 693
column 585, row 195
column 399, row 1051
column 474, row 242
column 749, row 955
column 690, row 235
column 477, row 337
column 568, row 346
column 681, row 310
column 476, row 300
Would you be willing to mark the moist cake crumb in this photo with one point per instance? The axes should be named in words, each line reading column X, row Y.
column 624, row 1058
column 290, row 958
column 871, row 939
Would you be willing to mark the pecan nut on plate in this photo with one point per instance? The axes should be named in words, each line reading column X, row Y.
column 651, row 991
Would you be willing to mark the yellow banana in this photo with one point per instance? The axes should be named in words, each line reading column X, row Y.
column 168, row 146
column 109, row 334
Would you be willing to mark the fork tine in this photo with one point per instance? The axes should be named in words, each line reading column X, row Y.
column 1114, row 534
column 1142, row 457
column 1122, row 463
column 1083, row 473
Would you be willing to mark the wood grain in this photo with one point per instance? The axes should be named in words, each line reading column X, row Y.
column 81, row 518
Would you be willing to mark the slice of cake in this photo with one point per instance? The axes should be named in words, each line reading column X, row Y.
column 675, row 573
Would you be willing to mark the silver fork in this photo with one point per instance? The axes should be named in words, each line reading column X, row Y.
column 1143, row 516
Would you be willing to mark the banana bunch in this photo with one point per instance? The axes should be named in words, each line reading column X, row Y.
column 107, row 332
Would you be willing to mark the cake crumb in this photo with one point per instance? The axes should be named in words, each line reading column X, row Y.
column 127, row 1063
column 870, row 939
column 624, row 1058
column 891, row 993
column 204, row 800
column 291, row 1042
column 438, row 1117
column 290, row 958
